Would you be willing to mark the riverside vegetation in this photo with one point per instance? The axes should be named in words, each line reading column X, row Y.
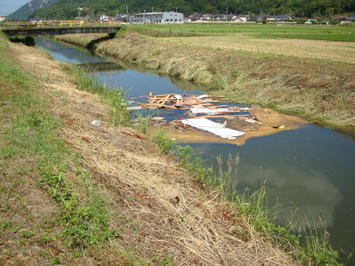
column 313, row 79
column 81, row 199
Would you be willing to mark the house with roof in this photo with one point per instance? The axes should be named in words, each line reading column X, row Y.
column 2, row 18
column 240, row 18
column 283, row 18
column 103, row 18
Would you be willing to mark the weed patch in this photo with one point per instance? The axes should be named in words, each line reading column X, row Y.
column 33, row 133
column 114, row 98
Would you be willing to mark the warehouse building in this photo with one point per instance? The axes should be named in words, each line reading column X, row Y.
column 158, row 18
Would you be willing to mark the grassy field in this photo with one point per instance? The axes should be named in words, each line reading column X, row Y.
column 313, row 32
column 335, row 43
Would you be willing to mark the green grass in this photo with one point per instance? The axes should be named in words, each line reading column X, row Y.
column 344, row 37
column 113, row 98
column 34, row 133
column 314, row 32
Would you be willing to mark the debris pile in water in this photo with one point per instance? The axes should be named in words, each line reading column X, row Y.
column 203, row 112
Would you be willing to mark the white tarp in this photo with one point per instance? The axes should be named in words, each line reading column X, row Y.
column 209, row 111
column 202, row 96
column 213, row 127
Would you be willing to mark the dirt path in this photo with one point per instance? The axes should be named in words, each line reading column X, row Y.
column 163, row 214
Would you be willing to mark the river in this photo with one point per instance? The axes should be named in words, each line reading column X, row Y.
column 310, row 169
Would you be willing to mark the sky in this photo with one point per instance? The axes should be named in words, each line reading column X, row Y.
column 9, row 6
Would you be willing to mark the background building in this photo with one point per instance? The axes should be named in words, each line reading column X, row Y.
column 158, row 18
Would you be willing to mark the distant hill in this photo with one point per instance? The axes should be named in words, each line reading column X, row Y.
column 66, row 9
column 27, row 9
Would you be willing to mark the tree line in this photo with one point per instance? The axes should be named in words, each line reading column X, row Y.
column 66, row 9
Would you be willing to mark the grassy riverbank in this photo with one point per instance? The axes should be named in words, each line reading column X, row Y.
column 319, row 90
column 50, row 208
column 105, row 194
column 77, row 193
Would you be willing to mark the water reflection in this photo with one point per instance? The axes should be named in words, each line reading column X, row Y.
column 138, row 83
column 67, row 54
column 311, row 169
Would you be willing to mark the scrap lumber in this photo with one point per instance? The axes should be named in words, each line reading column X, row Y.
column 200, row 109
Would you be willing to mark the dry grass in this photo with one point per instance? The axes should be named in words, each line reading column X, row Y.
column 162, row 212
column 84, row 39
column 328, row 50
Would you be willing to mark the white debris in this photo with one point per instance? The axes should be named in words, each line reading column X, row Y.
column 134, row 108
column 202, row 96
column 178, row 97
column 96, row 123
column 157, row 118
column 213, row 127
column 209, row 110
column 251, row 121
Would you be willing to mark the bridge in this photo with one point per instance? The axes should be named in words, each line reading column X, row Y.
column 60, row 30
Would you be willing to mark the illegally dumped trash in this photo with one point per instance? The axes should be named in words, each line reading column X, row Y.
column 213, row 127
column 194, row 114
column 96, row 123
column 203, row 112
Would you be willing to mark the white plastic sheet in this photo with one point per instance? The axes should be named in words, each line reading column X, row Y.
column 213, row 127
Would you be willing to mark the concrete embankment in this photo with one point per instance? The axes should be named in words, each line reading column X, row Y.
column 318, row 90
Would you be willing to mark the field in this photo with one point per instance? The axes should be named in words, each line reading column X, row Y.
column 336, row 43
column 313, row 32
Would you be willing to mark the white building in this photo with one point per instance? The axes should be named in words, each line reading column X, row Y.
column 240, row 19
column 158, row 18
column 2, row 18
column 103, row 18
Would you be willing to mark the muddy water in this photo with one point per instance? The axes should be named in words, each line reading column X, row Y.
column 310, row 168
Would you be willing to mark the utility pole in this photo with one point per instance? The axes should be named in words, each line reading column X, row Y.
column 128, row 17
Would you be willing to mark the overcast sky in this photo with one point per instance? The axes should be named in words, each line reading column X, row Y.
column 9, row 6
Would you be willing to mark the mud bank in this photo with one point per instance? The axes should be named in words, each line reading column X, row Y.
column 317, row 90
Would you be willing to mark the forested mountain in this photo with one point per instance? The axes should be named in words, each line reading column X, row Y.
column 27, row 9
column 69, row 8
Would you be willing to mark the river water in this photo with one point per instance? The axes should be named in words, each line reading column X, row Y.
column 310, row 169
